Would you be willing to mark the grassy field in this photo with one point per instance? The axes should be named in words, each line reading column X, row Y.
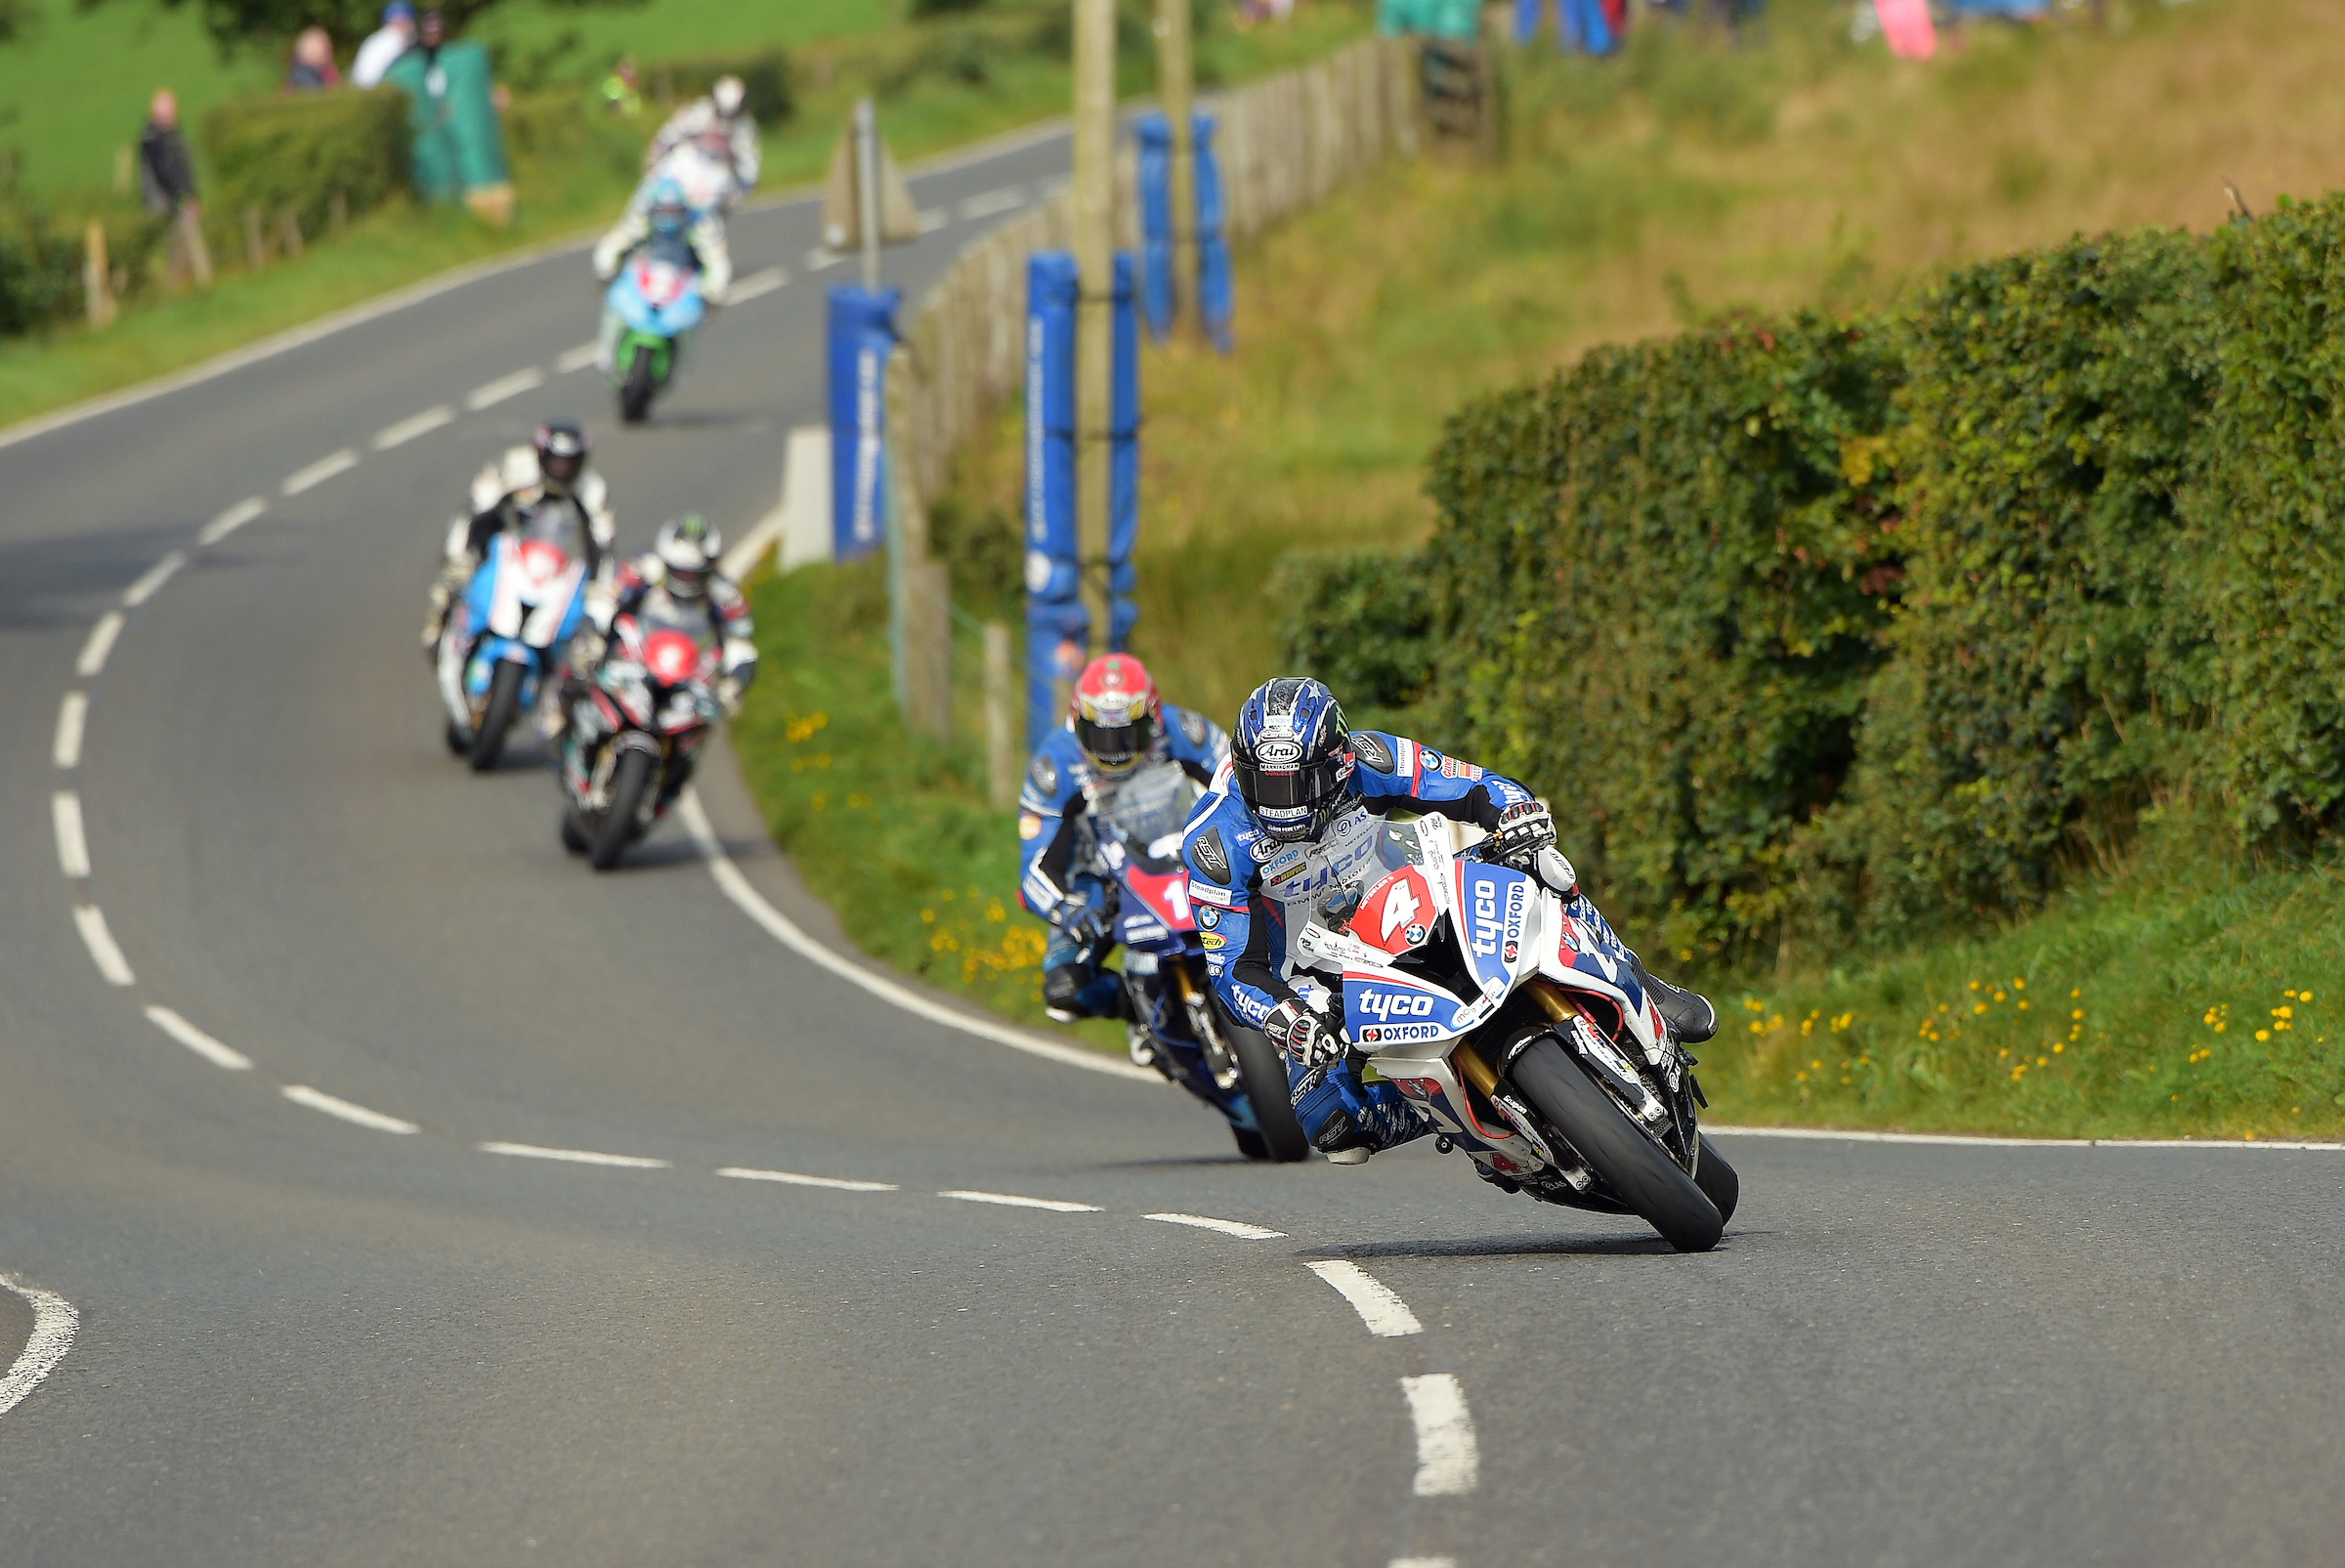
column 932, row 98
column 1644, row 196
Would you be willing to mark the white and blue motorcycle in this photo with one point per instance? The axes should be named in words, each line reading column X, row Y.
column 508, row 633
column 656, row 299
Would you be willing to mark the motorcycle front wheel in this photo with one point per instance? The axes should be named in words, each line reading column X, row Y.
column 635, row 392
column 1266, row 1075
column 1636, row 1167
column 1717, row 1179
column 628, row 781
column 504, row 705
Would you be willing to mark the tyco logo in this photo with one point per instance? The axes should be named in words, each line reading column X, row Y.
column 1484, row 893
column 1395, row 1005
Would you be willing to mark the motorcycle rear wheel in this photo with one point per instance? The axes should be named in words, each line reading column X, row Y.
column 504, row 705
column 1718, row 1181
column 1665, row 1197
column 1265, row 1073
column 635, row 392
column 628, row 781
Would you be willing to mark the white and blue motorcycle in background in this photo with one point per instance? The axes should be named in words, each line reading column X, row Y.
column 1523, row 1033
column 507, row 635
column 655, row 299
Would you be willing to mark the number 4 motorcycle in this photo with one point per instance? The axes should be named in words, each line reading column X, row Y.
column 1525, row 1034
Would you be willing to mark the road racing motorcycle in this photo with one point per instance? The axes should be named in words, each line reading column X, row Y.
column 1523, row 1032
column 1192, row 1040
column 637, row 722
column 505, row 637
column 657, row 298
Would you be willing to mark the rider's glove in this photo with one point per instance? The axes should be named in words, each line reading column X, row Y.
column 1299, row 1032
column 728, row 694
column 1523, row 830
column 1084, row 923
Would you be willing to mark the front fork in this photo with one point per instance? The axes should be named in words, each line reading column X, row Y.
column 1204, row 1027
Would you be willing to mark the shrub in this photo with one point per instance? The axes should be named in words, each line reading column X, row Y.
column 1361, row 621
column 291, row 152
column 40, row 274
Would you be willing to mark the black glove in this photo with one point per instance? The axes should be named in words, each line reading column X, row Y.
column 1296, row 1029
column 1084, row 923
column 1523, row 830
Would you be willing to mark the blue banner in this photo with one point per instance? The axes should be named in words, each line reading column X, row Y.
column 1155, row 135
column 1214, row 293
column 1124, row 449
column 862, row 335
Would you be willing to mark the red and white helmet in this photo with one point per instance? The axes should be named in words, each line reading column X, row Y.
column 1115, row 713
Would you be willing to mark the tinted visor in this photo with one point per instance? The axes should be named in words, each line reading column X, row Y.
column 1310, row 785
column 561, row 467
column 1116, row 747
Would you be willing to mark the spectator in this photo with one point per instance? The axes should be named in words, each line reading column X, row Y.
column 313, row 69
column 167, row 183
column 393, row 38
column 622, row 89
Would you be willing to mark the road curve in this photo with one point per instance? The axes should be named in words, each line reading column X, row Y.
column 423, row 1198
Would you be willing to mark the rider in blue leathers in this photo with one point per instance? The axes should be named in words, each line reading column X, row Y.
column 1290, row 831
column 1120, row 748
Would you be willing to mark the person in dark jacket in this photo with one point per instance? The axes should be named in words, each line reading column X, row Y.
column 167, row 183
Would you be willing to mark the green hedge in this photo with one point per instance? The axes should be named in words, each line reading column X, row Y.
column 1360, row 621
column 290, row 153
column 40, row 274
column 1816, row 629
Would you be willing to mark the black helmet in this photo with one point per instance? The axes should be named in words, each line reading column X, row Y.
column 1292, row 756
column 560, row 455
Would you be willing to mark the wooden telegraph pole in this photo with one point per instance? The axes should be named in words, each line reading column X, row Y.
column 1094, row 204
column 1177, row 85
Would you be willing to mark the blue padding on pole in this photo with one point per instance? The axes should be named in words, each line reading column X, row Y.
column 1057, row 632
column 1124, row 471
column 862, row 335
column 1214, row 293
column 1055, row 620
column 1155, row 135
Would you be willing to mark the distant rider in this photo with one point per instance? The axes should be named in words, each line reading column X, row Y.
column 669, row 227
column 678, row 582
column 508, row 495
column 1290, row 834
column 723, row 130
column 1124, row 754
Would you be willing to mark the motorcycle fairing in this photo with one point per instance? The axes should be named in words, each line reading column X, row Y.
column 1398, row 913
column 1497, row 912
column 1599, row 977
column 656, row 296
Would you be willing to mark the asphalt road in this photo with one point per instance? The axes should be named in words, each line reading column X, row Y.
column 304, row 1338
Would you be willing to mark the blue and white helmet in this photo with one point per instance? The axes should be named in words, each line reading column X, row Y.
column 667, row 206
column 1291, row 757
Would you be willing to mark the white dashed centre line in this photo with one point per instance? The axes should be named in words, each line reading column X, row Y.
column 821, row 257
column 757, row 285
column 228, row 522
column 91, row 921
column 197, row 1041
column 100, row 645
column 72, row 847
column 318, row 472
column 407, row 429
column 1227, row 1227
column 503, row 387
column 148, row 587
column 745, row 1173
column 933, row 219
column 1425, row 1562
column 1387, row 1315
column 72, row 716
column 991, row 201
column 335, row 1105
column 575, row 1156
column 1012, row 1201
column 1449, row 1459
column 578, row 359
column 52, row 1323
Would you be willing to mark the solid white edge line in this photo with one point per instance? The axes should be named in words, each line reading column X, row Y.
column 1423, row 1562
column 318, row 472
column 1968, row 1140
column 103, row 953
column 100, row 645
column 489, row 393
column 759, row 285
column 72, row 718
column 1227, row 1227
column 415, row 425
column 228, row 522
column 577, row 1157
column 197, row 1041
column 578, row 359
column 782, row 929
column 148, row 587
column 333, row 1104
column 794, row 1179
column 1448, row 1458
column 1387, row 1315
column 1056, row 1206
column 52, row 1323
column 72, row 845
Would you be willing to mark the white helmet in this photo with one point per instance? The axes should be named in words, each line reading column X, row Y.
column 729, row 94
column 688, row 549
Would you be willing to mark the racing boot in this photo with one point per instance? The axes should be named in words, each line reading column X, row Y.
column 1346, row 1118
column 1690, row 1017
column 1074, row 990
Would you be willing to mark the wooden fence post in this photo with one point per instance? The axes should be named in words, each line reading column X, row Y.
column 97, row 278
column 1001, row 739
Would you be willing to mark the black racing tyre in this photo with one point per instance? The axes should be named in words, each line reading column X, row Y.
column 635, row 392
column 628, row 781
column 1251, row 1144
column 504, row 705
column 1634, row 1164
column 458, row 742
column 573, row 836
column 1717, row 1179
column 1264, row 1071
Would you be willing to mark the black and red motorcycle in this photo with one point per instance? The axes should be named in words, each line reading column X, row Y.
column 637, row 720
